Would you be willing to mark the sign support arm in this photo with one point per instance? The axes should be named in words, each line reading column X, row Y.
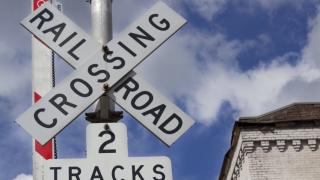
column 101, row 19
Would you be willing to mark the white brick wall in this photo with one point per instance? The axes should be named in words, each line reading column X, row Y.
column 287, row 165
column 245, row 170
column 277, row 154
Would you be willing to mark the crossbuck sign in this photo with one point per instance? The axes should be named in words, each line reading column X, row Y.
column 81, row 88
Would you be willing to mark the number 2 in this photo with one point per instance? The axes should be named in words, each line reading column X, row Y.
column 109, row 141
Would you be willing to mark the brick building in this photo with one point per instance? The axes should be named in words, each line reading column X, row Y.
column 280, row 145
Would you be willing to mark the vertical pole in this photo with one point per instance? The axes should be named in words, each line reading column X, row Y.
column 101, row 19
column 42, row 82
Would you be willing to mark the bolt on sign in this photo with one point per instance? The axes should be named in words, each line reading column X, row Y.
column 83, row 86
column 107, row 158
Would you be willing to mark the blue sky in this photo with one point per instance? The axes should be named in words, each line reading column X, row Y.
column 234, row 58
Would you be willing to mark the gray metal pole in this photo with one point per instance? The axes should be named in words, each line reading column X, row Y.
column 101, row 18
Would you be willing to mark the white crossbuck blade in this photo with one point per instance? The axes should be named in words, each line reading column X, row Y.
column 80, row 89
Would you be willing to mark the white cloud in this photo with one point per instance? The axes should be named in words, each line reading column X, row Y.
column 202, row 69
column 23, row 177
column 10, row 64
column 176, row 67
column 263, row 88
column 15, row 75
column 311, row 53
column 183, row 68
column 249, row 93
column 207, row 8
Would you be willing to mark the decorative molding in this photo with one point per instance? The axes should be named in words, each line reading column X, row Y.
column 248, row 147
column 312, row 143
column 234, row 176
column 265, row 145
column 281, row 145
column 297, row 146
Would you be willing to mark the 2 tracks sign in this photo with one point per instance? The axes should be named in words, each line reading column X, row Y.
column 107, row 158
column 83, row 86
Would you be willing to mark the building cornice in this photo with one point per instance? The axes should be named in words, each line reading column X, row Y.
column 267, row 146
column 292, row 116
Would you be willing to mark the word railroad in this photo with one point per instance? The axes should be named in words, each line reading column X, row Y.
column 84, row 86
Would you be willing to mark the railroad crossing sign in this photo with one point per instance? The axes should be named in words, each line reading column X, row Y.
column 82, row 87
column 107, row 158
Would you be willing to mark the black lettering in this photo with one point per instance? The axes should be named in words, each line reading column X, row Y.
column 137, row 172
column 114, row 172
column 144, row 105
column 56, row 30
column 96, row 73
column 68, row 39
column 61, row 103
column 129, row 89
column 120, row 59
column 41, row 16
column 36, row 117
column 138, row 37
column 102, row 148
column 55, row 172
column 162, row 22
column 159, row 172
column 81, row 94
column 74, row 174
column 127, row 49
column 96, row 174
column 156, row 112
column 164, row 124
column 71, row 51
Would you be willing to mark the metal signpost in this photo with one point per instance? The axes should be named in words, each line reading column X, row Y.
column 101, row 24
column 100, row 71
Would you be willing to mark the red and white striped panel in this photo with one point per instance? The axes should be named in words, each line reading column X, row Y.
column 47, row 150
column 42, row 82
